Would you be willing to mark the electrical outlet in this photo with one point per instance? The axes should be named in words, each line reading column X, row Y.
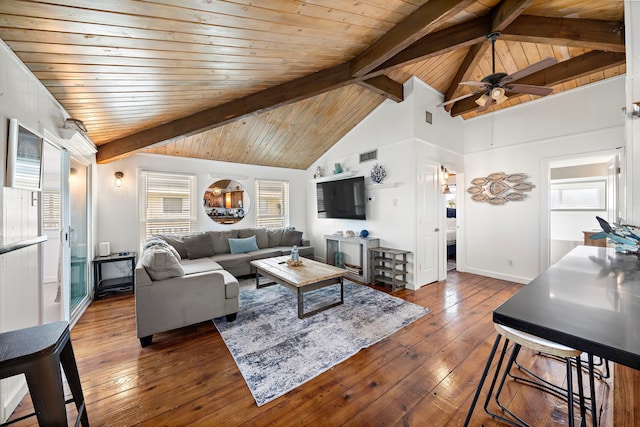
column 510, row 262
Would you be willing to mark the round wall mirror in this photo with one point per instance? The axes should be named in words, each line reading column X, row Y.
column 226, row 201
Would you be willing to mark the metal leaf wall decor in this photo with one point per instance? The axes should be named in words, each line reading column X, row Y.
column 499, row 188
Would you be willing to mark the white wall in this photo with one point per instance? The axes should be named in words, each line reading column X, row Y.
column 21, row 97
column 525, row 138
column 117, row 208
column 403, row 140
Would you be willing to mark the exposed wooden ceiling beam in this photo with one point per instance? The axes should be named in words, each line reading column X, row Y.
column 463, row 35
column 502, row 16
column 383, row 85
column 460, row 36
column 286, row 93
column 570, row 69
column 586, row 33
column 414, row 27
column 265, row 100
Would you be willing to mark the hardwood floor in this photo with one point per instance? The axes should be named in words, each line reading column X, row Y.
column 423, row 375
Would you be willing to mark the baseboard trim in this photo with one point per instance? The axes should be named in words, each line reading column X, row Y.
column 494, row 275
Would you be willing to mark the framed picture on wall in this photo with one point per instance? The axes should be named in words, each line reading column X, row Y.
column 24, row 157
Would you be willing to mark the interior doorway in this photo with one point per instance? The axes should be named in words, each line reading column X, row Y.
column 449, row 190
column 581, row 188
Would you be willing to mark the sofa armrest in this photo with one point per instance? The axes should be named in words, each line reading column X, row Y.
column 305, row 242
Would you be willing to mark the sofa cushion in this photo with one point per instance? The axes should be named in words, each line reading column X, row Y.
column 199, row 246
column 262, row 240
column 239, row 246
column 237, row 264
column 200, row 265
column 160, row 263
column 177, row 242
column 265, row 253
column 291, row 237
column 220, row 240
column 275, row 237
column 303, row 251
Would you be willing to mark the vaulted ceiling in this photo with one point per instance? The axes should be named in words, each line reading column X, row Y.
column 278, row 82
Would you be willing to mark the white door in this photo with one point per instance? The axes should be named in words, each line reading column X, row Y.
column 612, row 190
column 429, row 207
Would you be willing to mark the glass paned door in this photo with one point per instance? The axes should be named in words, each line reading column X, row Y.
column 78, row 234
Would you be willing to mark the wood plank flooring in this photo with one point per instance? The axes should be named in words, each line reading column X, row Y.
column 423, row 375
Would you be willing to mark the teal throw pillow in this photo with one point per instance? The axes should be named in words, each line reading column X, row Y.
column 240, row 246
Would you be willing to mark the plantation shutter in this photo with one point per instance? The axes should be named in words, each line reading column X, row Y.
column 272, row 205
column 167, row 203
column 51, row 205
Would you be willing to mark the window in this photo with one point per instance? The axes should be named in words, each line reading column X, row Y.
column 167, row 203
column 272, row 203
column 51, row 208
column 578, row 195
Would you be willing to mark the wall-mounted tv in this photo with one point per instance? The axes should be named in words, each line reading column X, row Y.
column 24, row 157
column 342, row 198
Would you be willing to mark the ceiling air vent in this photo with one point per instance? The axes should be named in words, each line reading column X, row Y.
column 369, row 155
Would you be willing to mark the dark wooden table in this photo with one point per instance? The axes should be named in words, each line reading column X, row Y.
column 588, row 300
column 104, row 287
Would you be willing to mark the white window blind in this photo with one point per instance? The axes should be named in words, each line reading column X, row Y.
column 167, row 203
column 272, row 204
column 51, row 208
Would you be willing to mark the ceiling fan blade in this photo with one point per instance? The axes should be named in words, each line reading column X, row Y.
column 529, row 89
column 465, row 96
column 485, row 107
column 473, row 83
column 540, row 65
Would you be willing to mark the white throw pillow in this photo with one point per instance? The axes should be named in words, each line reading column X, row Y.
column 161, row 263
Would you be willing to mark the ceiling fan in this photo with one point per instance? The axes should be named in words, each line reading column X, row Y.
column 494, row 86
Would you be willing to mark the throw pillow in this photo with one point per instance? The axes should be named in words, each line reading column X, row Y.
column 161, row 264
column 261, row 236
column 291, row 237
column 177, row 243
column 157, row 241
column 199, row 246
column 275, row 237
column 240, row 246
column 221, row 240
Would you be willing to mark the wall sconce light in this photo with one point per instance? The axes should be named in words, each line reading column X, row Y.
column 118, row 181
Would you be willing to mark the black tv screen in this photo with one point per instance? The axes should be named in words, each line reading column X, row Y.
column 342, row 198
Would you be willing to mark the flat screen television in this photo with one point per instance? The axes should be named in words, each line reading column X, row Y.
column 342, row 198
column 24, row 158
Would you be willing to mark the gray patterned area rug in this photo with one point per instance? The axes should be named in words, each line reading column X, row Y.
column 276, row 352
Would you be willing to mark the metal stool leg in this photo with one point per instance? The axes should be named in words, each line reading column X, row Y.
column 484, row 376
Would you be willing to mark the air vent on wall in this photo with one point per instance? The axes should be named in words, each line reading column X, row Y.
column 369, row 155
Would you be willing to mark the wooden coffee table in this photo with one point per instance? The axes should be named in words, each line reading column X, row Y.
column 310, row 276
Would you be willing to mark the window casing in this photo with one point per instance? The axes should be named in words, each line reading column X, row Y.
column 167, row 203
column 272, row 203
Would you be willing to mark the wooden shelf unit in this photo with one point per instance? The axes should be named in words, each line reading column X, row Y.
column 388, row 266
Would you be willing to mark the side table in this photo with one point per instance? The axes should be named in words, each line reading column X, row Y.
column 105, row 287
column 389, row 266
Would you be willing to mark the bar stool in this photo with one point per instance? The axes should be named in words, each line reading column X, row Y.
column 523, row 339
column 38, row 352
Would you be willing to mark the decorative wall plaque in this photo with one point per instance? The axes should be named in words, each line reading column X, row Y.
column 499, row 188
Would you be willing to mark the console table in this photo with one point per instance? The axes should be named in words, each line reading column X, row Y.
column 333, row 245
column 105, row 287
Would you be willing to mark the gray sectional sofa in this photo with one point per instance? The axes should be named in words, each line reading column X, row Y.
column 182, row 279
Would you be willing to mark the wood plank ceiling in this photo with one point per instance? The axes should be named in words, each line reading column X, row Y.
column 278, row 82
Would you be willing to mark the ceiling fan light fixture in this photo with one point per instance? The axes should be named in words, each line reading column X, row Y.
column 497, row 93
column 483, row 100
